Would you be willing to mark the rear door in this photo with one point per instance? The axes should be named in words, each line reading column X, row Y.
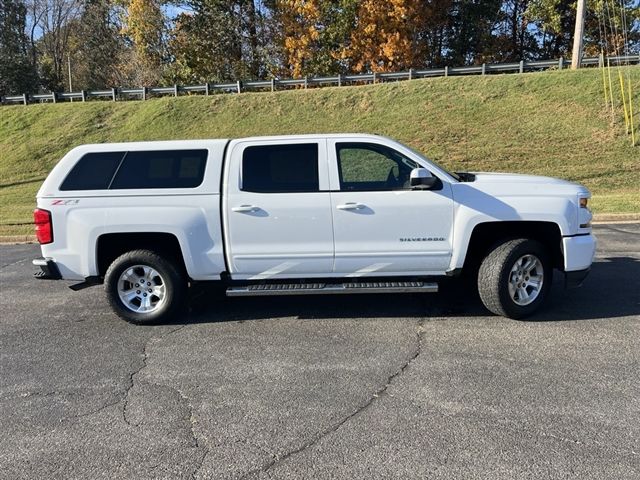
column 381, row 225
column 277, row 209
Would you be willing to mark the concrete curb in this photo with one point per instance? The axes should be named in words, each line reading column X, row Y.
column 17, row 239
column 597, row 219
column 616, row 217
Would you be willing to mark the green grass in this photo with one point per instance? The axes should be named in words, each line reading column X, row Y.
column 551, row 123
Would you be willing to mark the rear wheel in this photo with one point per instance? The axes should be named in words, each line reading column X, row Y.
column 515, row 277
column 142, row 287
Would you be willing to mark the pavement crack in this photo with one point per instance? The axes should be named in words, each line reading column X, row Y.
column 2, row 267
column 620, row 230
column 379, row 392
column 132, row 382
column 196, row 441
column 200, row 464
column 585, row 443
column 98, row 410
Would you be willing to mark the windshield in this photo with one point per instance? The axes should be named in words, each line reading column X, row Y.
column 453, row 174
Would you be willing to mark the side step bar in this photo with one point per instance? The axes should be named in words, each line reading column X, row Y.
column 330, row 288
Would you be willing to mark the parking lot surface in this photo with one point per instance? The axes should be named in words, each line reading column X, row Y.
column 375, row 386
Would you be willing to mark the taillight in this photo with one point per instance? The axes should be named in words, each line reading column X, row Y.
column 44, row 228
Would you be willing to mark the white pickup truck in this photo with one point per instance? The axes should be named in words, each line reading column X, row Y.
column 308, row 214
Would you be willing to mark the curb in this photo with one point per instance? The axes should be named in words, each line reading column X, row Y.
column 616, row 217
column 17, row 239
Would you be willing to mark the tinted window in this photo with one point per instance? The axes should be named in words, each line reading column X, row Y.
column 364, row 166
column 161, row 169
column 280, row 168
column 93, row 171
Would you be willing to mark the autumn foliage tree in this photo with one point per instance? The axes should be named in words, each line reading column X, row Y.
column 158, row 42
column 313, row 34
column 144, row 27
column 385, row 36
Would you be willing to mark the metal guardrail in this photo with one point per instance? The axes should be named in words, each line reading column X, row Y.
column 143, row 93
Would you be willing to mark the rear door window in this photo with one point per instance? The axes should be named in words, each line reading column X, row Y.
column 281, row 168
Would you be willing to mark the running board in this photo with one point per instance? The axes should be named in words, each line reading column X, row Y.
column 330, row 288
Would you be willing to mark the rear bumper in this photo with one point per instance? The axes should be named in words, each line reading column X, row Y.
column 48, row 269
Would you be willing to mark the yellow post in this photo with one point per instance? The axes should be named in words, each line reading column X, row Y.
column 624, row 101
column 604, row 82
column 633, row 132
column 613, row 116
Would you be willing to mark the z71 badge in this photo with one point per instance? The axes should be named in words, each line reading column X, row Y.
column 65, row 202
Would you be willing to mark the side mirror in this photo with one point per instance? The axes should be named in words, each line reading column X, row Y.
column 421, row 178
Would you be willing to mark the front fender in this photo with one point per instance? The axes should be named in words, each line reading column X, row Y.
column 473, row 207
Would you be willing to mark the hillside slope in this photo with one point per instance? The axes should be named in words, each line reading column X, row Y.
column 550, row 123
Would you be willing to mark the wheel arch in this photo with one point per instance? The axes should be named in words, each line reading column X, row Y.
column 110, row 246
column 485, row 235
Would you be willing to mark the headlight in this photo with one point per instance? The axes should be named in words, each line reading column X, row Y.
column 584, row 214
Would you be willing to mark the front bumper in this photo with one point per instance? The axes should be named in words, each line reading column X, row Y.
column 574, row 279
column 48, row 269
column 579, row 251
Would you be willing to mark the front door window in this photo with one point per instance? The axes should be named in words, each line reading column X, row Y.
column 370, row 167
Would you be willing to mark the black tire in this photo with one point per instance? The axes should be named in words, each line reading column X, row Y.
column 495, row 273
column 170, row 276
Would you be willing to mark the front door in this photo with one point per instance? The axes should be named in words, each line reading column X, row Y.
column 381, row 225
column 278, row 210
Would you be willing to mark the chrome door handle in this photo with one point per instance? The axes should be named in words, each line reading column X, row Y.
column 245, row 208
column 350, row 206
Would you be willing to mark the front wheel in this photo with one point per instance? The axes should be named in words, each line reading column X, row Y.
column 142, row 287
column 515, row 277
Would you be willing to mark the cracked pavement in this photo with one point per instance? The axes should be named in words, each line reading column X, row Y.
column 382, row 386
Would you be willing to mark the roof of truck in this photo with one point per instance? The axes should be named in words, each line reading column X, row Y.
column 312, row 135
column 210, row 141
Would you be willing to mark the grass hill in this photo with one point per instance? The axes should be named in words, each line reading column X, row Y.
column 551, row 123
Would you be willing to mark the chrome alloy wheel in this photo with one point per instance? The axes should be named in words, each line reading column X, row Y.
column 141, row 289
column 526, row 279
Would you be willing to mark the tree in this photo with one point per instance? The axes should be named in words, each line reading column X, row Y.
column 17, row 72
column 605, row 29
column 205, row 44
column 436, row 16
column 314, row 34
column 386, row 36
column 50, row 32
column 513, row 38
column 554, row 20
column 95, row 46
column 144, row 27
column 471, row 28
column 221, row 40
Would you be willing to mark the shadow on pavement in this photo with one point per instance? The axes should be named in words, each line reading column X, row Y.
column 611, row 290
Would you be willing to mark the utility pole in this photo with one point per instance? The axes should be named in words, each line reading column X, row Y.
column 69, row 65
column 578, row 35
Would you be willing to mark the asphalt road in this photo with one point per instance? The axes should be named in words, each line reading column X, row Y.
column 376, row 386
